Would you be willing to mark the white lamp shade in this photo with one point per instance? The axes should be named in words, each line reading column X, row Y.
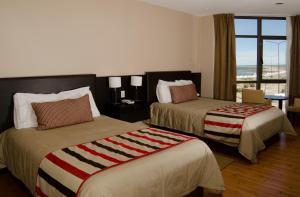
column 136, row 81
column 114, row 82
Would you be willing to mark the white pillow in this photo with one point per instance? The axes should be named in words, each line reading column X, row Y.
column 163, row 91
column 184, row 82
column 77, row 93
column 24, row 116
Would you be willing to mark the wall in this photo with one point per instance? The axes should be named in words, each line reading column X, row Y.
column 105, row 37
column 203, row 52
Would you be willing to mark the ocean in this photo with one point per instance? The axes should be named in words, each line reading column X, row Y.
column 244, row 71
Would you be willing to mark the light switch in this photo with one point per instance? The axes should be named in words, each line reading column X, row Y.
column 122, row 93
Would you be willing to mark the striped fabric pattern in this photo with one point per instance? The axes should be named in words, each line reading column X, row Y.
column 63, row 172
column 63, row 113
column 225, row 124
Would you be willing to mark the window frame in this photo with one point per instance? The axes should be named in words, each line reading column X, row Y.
column 260, row 38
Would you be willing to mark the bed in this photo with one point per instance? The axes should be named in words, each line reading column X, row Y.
column 189, row 117
column 175, row 171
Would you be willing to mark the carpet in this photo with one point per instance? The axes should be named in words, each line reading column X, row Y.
column 223, row 160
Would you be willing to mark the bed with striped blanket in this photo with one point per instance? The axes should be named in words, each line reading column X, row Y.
column 111, row 158
column 225, row 124
column 80, row 162
column 189, row 117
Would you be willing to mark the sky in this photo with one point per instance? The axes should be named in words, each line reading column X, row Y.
column 246, row 47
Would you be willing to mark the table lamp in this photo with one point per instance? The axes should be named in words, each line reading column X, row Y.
column 114, row 82
column 136, row 81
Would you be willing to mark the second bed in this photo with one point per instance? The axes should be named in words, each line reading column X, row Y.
column 189, row 116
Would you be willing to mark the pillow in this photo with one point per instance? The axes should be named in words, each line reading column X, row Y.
column 24, row 116
column 79, row 92
column 63, row 113
column 163, row 92
column 183, row 93
column 184, row 82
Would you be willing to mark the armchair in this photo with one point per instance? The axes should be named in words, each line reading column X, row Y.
column 255, row 96
column 295, row 108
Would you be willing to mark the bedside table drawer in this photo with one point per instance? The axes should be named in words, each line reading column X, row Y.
column 134, row 116
column 130, row 113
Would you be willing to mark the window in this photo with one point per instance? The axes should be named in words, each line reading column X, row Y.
column 261, row 54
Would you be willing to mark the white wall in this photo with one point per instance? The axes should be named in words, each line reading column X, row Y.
column 203, row 52
column 105, row 37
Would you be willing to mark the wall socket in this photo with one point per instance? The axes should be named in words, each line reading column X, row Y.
column 122, row 93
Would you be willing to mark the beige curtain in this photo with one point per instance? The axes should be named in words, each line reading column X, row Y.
column 225, row 59
column 294, row 83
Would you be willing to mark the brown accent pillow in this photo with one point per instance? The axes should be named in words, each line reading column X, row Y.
column 62, row 113
column 184, row 93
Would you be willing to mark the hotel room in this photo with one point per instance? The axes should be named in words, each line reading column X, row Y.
column 158, row 98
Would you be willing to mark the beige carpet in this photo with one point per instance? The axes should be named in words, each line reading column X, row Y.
column 223, row 160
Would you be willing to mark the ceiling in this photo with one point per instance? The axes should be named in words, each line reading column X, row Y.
column 238, row 7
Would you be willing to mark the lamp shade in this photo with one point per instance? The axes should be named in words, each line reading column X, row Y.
column 114, row 82
column 136, row 81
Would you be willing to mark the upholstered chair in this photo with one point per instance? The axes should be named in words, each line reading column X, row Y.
column 255, row 96
column 294, row 109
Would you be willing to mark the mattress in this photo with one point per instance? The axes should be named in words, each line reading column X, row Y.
column 189, row 117
column 173, row 172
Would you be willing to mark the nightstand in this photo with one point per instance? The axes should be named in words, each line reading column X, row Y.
column 129, row 112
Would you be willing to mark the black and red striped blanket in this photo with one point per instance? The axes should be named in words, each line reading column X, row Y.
column 64, row 171
column 225, row 124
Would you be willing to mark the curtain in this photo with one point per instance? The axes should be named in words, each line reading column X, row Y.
column 225, row 58
column 288, row 55
column 294, row 82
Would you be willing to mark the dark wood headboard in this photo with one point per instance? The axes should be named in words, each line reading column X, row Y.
column 42, row 85
column 153, row 77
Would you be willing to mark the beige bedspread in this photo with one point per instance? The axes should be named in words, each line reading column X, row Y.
column 173, row 172
column 189, row 117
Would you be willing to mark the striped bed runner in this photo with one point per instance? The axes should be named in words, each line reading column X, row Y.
column 225, row 124
column 63, row 172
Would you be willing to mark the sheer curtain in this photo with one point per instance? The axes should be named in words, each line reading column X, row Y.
column 294, row 78
column 225, row 58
